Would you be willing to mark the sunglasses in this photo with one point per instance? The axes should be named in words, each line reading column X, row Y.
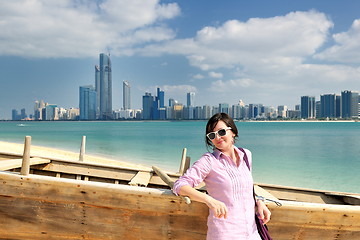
column 220, row 133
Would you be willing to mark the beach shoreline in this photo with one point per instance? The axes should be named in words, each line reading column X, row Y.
column 55, row 153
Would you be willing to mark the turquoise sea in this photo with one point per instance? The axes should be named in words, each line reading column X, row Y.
column 319, row 155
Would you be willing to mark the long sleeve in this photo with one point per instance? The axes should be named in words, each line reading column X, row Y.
column 195, row 174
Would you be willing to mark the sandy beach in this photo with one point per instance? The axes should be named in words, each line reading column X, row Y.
column 52, row 153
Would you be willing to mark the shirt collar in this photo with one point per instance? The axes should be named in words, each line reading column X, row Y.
column 217, row 153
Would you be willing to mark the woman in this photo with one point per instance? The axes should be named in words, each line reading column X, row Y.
column 228, row 182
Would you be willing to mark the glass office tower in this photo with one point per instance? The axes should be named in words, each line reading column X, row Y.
column 349, row 104
column 105, row 90
column 307, row 107
column 328, row 106
column 190, row 99
column 147, row 106
column 87, row 103
column 97, row 89
column 126, row 95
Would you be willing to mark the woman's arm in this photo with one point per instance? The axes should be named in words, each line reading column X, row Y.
column 219, row 208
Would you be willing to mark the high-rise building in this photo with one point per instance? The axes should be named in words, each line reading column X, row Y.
column 50, row 112
column 328, row 106
column 23, row 114
column 224, row 108
column 178, row 111
column 338, row 106
column 282, row 111
column 147, row 103
column 160, row 98
column 198, row 112
column 317, row 109
column 349, row 104
column 38, row 110
column 87, row 102
column 126, row 95
column 206, row 112
column 14, row 115
column 307, row 107
column 158, row 109
column 172, row 102
column 97, row 89
column 105, row 90
column 190, row 97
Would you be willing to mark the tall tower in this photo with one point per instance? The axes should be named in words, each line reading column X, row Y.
column 87, row 103
column 307, row 107
column 328, row 105
column 147, row 106
column 349, row 104
column 160, row 98
column 97, row 89
column 190, row 97
column 126, row 95
column 105, row 87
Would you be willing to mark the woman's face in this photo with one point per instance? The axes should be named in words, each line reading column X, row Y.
column 225, row 142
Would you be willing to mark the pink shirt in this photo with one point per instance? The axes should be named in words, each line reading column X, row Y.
column 231, row 184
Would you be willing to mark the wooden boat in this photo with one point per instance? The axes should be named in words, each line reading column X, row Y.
column 47, row 198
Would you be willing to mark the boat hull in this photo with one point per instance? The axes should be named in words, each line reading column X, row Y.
column 37, row 207
column 43, row 207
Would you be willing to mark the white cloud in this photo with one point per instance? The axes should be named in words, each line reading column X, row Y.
column 231, row 85
column 347, row 47
column 272, row 42
column 215, row 74
column 198, row 76
column 41, row 28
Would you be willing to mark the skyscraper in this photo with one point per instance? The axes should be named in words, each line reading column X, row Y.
column 328, row 106
column 105, row 90
column 15, row 116
column 87, row 102
column 23, row 114
column 307, row 107
column 160, row 98
column 349, row 104
column 126, row 95
column 147, row 106
column 190, row 97
column 224, row 108
column 97, row 89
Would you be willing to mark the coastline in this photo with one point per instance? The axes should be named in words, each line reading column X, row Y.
column 46, row 152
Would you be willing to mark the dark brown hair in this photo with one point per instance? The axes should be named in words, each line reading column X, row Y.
column 211, row 124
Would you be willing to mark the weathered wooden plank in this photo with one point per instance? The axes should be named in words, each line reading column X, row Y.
column 307, row 221
column 25, row 166
column 141, row 179
column 302, row 195
column 107, row 195
column 35, row 207
column 16, row 163
column 90, row 170
column 164, row 176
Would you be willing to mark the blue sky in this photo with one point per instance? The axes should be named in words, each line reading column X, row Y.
column 259, row 51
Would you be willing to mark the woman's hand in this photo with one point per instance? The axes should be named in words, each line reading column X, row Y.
column 263, row 211
column 219, row 208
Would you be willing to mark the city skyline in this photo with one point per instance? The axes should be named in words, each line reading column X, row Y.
column 221, row 51
column 345, row 105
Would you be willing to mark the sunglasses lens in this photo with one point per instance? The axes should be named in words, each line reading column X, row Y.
column 211, row 136
column 222, row 132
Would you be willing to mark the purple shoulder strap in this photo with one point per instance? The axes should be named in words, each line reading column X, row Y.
column 245, row 158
